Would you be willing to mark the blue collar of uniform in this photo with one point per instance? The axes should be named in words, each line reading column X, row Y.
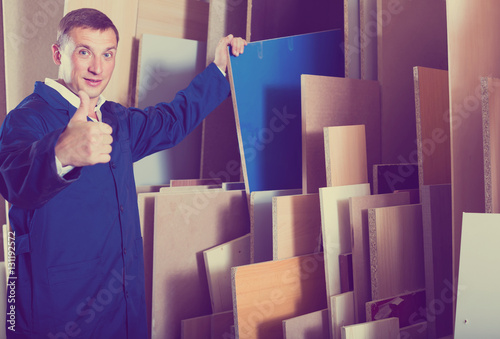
column 53, row 98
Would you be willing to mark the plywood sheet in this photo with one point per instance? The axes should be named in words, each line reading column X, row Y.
column 368, row 39
column 279, row 18
column 218, row 263
column 396, row 22
column 432, row 108
column 261, row 223
column 180, row 287
column 469, row 22
column 296, row 225
column 336, row 228
column 267, row 293
column 380, row 329
column 358, row 208
column 196, row 328
column 267, row 103
column 478, row 296
column 219, row 147
column 437, row 228
column 342, row 312
column 406, row 307
column 388, row 178
column 307, row 326
column 333, row 101
column 183, row 19
column 352, row 39
column 120, row 87
column 345, row 155
column 158, row 80
column 396, row 250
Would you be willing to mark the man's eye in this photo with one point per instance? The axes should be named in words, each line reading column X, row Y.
column 84, row 52
column 108, row 55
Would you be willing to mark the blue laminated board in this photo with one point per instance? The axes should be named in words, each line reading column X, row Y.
column 265, row 82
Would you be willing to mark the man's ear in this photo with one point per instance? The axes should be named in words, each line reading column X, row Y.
column 56, row 54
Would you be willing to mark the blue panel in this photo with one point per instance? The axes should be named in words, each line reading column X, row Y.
column 266, row 80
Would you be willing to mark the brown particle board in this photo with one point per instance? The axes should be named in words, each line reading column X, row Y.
column 194, row 182
column 124, row 16
column 368, row 39
column 265, row 294
column 396, row 250
column 491, row 136
column 473, row 53
column 351, row 39
column 183, row 229
column 358, row 208
column 397, row 21
column 437, row 228
column 380, row 329
column 333, row 101
column 311, row 325
column 296, row 225
column 432, row 108
column 345, row 155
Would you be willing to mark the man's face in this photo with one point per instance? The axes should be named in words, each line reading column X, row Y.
column 87, row 60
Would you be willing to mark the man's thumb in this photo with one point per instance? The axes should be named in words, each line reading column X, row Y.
column 83, row 111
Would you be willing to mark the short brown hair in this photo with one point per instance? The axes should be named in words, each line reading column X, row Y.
column 84, row 17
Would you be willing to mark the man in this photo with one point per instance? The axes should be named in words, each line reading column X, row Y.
column 66, row 158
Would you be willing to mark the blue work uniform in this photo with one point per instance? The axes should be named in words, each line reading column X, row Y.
column 79, row 270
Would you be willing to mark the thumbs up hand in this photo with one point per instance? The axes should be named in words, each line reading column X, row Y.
column 84, row 143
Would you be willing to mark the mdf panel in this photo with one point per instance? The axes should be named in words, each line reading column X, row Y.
column 196, row 328
column 296, row 225
column 124, row 16
column 333, row 101
column 265, row 294
column 358, row 208
column 336, row 228
column 184, row 228
column 166, row 66
column 418, row 43
column 380, row 329
column 185, row 19
column 29, row 29
column 195, row 182
column 352, row 39
column 261, row 223
column 470, row 58
column 437, row 228
column 221, row 325
column 218, row 263
column 396, row 250
column 307, row 326
column 342, row 312
column 491, row 136
column 219, row 147
column 478, row 296
column 345, row 155
column 280, row 18
column 406, row 307
column 265, row 83
column 432, row 106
